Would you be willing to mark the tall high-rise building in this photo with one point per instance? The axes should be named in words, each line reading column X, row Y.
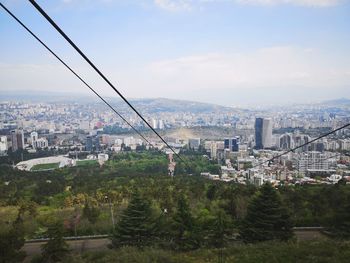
column 263, row 133
column 17, row 139
column 154, row 124
column 300, row 140
column 286, row 141
column 161, row 124
column 258, row 133
column 232, row 144
column 88, row 143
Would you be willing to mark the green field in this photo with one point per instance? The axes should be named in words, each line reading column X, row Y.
column 45, row 166
column 86, row 162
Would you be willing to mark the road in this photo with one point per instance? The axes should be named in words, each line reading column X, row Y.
column 98, row 244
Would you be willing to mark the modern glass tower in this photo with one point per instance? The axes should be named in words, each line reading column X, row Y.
column 263, row 133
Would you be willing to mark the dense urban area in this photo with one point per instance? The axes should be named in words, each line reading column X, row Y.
column 70, row 134
column 76, row 171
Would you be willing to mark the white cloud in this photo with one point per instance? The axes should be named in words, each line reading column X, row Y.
column 263, row 75
column 315, row 3
column 275, row 66
column 174, row 5
column 177, row 5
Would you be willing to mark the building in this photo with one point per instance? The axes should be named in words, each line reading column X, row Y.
column 132, row 142
column 316, row 161
column 344, row 145
column 33, row 138
column 92, row 143
column 154, row 124
column 161, row 125
column 194, row 143
column 263, row 133
column 286, row 142
column 301, row 140
column 17, row 139
column 3, row 144
column 40, row 143
column 232, row 144
column 211, row 147
column 102, row 158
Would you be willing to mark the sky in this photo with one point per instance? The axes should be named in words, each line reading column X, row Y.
column 228, row 52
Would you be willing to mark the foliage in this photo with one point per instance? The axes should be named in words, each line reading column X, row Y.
column 265, row 252
column 184, row 226
column 62, row 194
column 266, row 218
column 56, row 249
column 87, row 163
column 11, row 241
column 221, row 229
column 136, row 225
column 341, row 223
column 91, row 213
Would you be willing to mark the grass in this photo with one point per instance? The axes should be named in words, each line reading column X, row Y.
column 86, row 162
column 45, row 166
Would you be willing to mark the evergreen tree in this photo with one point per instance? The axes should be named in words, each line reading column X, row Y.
column 12, row 241
column 184, row 226
column 266, row 218
column 56, row 249
column 342, row 220
column 136, row 226
column 220, row 229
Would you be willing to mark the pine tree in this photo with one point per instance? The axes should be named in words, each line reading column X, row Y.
column 136, row 226
column 12, row 241
column 220, row 229
column 341, row 224
column 56, row 249
column 267, row 218
column 184, row 226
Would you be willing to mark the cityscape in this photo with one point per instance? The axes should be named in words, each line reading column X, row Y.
column 89, row 130
column 174, row 131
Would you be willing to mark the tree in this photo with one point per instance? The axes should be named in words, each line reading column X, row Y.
column 342, row 220
column 184, row 226
column 91, row 213
column 220, row 229
column 136, row 226
column 56, row 249
column 211, row 192
column 11, row 242
column 266, row 218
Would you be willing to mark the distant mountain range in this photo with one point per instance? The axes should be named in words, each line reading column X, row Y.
column 149, row 105
column 341, row 101
column 170, row 105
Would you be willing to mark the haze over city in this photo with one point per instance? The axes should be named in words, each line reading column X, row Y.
column 174, row 131
column 224, row 52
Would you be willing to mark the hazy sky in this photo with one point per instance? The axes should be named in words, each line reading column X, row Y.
column 231, row 52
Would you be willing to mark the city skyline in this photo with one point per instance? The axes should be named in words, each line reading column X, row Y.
column 222, row 52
